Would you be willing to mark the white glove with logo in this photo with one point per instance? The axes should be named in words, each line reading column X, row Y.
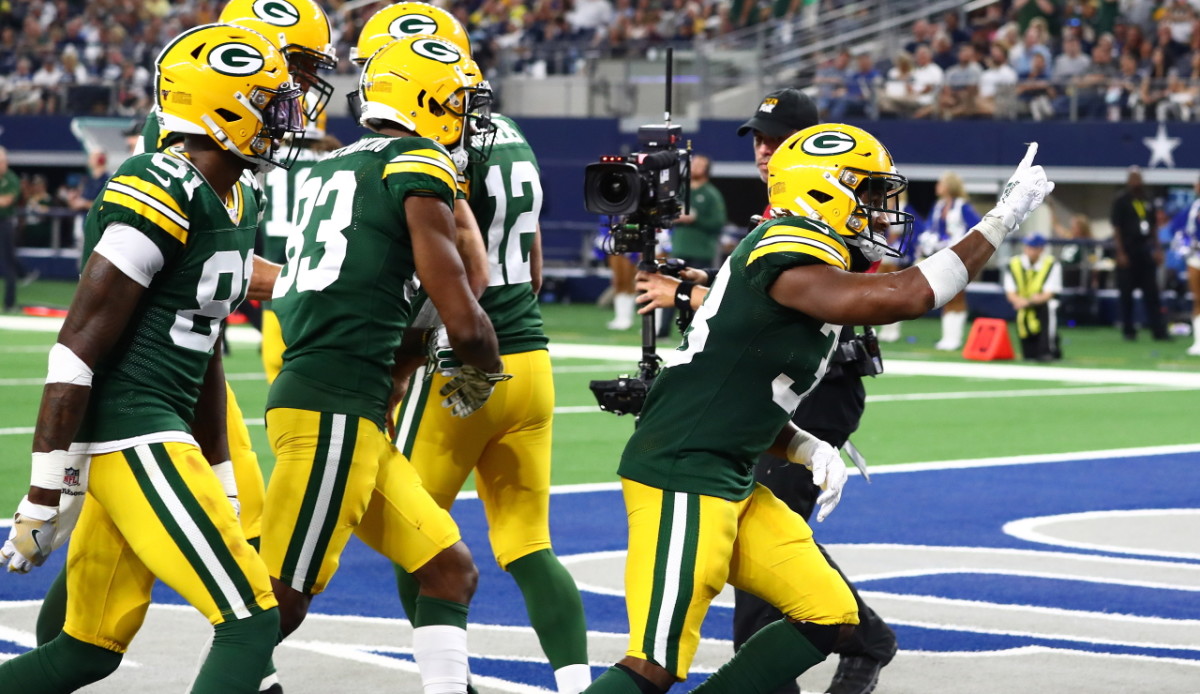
column 470, row 389
column 31, row 538
column 1023, row 193
column 441, row 354
column 828, row 469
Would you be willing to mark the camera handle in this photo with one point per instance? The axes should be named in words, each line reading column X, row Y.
column 647, row 262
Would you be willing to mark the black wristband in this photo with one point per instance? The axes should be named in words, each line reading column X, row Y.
column 712, row 276
column 683, row 296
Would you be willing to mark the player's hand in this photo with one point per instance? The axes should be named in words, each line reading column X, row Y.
column 655, row 291
column 829, row 473
column 31, row 538
column 470, row 389
column 1024, row 192
column 441, row 355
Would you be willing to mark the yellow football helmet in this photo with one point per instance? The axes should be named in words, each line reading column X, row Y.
column 426, row 85
column 408, row 19
column 845, row 177
column 301, row 30
column 231, row 84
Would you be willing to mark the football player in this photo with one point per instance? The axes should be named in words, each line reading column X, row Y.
column 280, row 188
column 135, row 380
column 374, row 213
column 759, row 342
column 507, row 443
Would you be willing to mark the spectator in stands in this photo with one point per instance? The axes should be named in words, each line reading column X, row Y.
column 1026, row 12
column 1071, row 63
column 47, row 79
column 944, row 54
column 590, row 16
column 9, row 51
column 1034, row 42
column 10, row 188
column 996, row 84
column 1183, row 88
column 1130, row 38
column 24, row 97
column 1122, row 98
column 952, row 27
column 959, row 93
column 1155, row 87
column 1138, row 256
column 1092, row 86
column 1036, row 92
column 861, row 85
column 922, row 35
column 1179, row 18
column 899, row 98
column 927, row 80
column 131, row 90
column 830, row 81
column 1172, row 49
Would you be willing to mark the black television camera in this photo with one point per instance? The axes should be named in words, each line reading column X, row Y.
column 641, row 193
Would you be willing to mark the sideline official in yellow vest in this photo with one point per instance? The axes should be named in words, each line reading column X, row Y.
column 1032, row 282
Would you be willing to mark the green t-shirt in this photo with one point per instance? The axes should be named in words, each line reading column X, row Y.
column 340, row 297
column 699, row 239
column 745, row 363
column 506, row 197
column 10, row 185
column 151, row 379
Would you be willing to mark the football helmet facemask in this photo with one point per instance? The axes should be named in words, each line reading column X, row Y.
column 408, row 19
column 428, row 86
column 231, row 84
column 301, row 30
column 845, row 177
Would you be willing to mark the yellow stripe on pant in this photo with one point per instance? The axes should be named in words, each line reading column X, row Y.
column 157, row 510
column 684, row 548
column 334, row 475
column 507, row 444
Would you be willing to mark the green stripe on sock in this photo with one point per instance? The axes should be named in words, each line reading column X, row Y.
column 174, row 531
column 308, row 504
column 212, row 536
column 349, row 439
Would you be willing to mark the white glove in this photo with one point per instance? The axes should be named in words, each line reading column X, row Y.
column 470, row 389
column 31, row 538
column 441, row 354
column 828, row 469
column 1023, row 193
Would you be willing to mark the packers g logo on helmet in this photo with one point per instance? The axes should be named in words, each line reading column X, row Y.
column 281, row 13
column 236, row 59
column 827, row 144
column 411, row 25
column 434, row 49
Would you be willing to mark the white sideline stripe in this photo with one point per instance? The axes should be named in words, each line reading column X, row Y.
column 191, row 531
column 337, row 435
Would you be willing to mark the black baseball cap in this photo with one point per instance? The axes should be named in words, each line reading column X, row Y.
column 781, row 113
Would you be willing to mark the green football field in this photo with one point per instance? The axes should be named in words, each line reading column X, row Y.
column 929, row 406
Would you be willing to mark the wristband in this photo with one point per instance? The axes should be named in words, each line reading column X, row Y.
column 683, row 296
column 995, row 226
column 712, row 275
column 802, row 447
column 224, row 473
column 946, row 275
column 48, row 469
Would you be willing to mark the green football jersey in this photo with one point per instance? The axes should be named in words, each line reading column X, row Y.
column 505, row 193
column 149, row 383
column 340, row 297
column 745, row 363
column 280, row 187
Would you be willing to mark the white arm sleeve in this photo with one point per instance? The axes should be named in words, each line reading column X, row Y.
column 132, row 252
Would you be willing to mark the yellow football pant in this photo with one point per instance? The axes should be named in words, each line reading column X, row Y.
column 337, row 474
column 157, row 510
column 272, row 345
column 246, row 471
column 506, row 443
column 684, row 548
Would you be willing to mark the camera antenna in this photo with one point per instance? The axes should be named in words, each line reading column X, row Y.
column 670, row 84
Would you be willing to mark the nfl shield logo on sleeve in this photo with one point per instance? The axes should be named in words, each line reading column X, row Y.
column 71, row 477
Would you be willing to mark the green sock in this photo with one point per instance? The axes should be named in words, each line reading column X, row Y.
column 53, row 614
column 433, row 611
column 240, row 650
column 554, row 606
column 63, row 664
column 255, row 542
column 776, row 654
column 409, row 588
column 613, row 681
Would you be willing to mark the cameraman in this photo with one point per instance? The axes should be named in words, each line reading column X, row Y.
column 831, row 412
